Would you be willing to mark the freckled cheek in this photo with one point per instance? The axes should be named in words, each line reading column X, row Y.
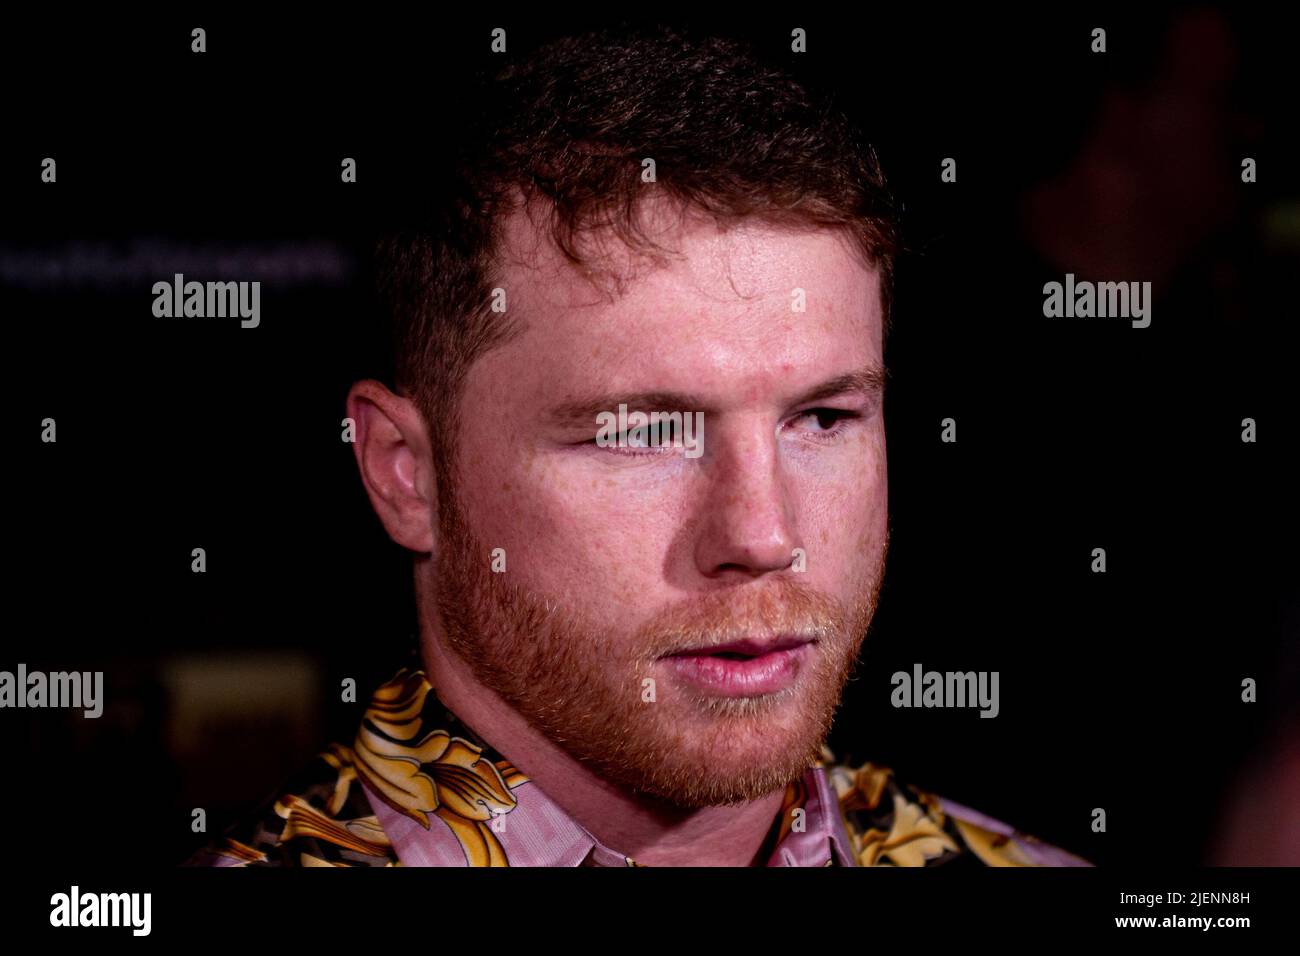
column 501, row 495
column 871, row 484
column 846, row 510
column 840, row 516
column 570, row 530
column 617, row 537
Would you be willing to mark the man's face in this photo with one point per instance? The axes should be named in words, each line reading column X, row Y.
column 651, row 619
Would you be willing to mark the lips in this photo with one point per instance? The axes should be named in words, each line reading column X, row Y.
column 749, row 647
column 745, row 668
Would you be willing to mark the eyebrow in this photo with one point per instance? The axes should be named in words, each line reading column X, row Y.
column 866, row 381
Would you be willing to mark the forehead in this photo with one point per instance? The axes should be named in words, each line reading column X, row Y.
column 751, row 298
column 748, row 261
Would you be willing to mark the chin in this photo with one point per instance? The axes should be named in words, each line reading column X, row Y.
column 711, row 783
column 713, row 765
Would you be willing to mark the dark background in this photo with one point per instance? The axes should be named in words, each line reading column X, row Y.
column 1119, row 691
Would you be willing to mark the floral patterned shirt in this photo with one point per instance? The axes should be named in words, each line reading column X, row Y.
column 417, row 787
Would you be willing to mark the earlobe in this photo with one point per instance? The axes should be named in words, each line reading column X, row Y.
column 391, row 448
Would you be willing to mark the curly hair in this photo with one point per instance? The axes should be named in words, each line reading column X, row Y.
column 566, row 129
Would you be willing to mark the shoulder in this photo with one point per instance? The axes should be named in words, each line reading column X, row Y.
column 892, row 823
column 319, row 816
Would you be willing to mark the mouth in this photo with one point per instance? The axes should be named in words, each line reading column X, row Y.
column 745, row 649
column 745, row 668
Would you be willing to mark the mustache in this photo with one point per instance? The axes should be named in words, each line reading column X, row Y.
column 783, row 608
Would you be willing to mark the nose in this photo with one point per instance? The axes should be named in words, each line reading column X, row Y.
column 748, row 527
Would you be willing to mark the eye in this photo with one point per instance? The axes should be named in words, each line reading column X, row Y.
column 830, row 423
column 624, row 446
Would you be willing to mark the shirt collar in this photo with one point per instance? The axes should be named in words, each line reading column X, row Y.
column 445, row 797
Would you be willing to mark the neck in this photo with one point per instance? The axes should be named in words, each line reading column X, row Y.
column 651, row 832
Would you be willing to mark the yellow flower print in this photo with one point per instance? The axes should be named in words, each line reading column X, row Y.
column 865, row 787
column 422, row 774
column 994, row 849
column 913, row 838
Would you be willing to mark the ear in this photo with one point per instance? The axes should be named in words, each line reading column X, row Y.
column 393, row 456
